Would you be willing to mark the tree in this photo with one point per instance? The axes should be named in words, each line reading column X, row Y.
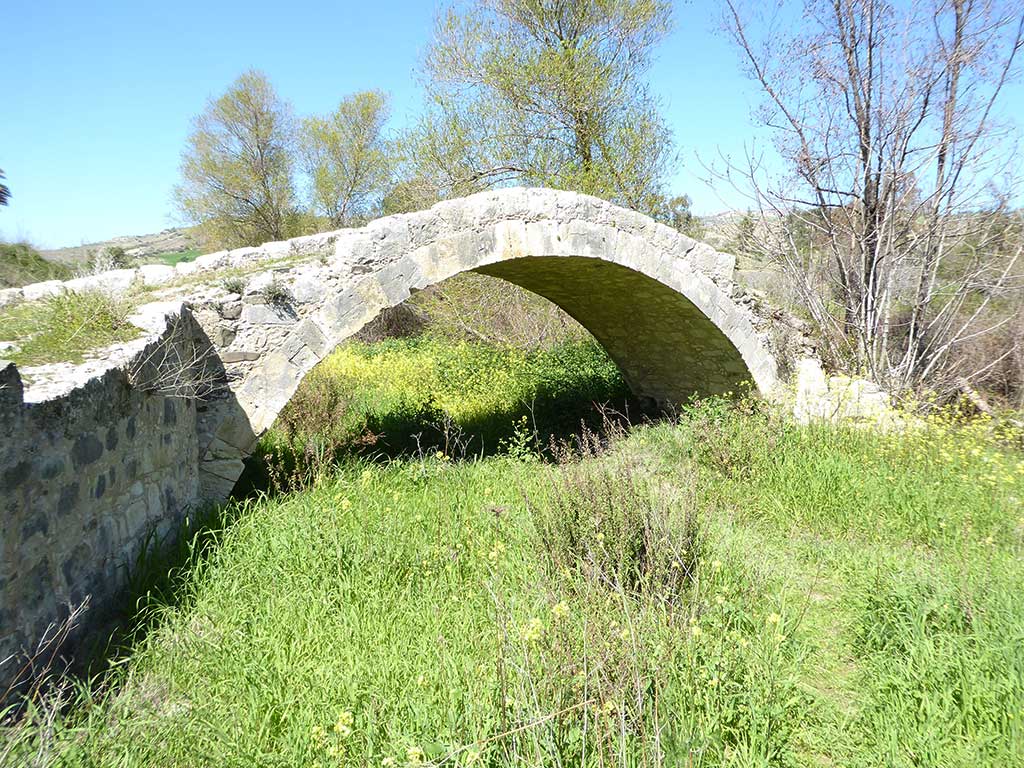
column 237, row 167
column 545, row 92
column 884, row 116
column 676, row 213
column 5, row 192
column 346, row 157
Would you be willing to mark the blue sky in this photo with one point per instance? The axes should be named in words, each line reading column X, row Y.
column 98, row 97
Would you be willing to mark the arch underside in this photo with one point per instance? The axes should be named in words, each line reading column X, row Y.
column 666, row 348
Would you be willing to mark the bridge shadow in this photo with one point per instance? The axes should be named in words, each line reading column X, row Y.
column 550, row 417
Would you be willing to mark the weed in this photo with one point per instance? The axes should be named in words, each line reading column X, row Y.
column 277, row 294
column 234, row 285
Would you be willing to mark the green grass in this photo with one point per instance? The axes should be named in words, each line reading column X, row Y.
column 21, row 264
column 402, row 397
column 726, row 589
column 174, row 257
column 65, row 328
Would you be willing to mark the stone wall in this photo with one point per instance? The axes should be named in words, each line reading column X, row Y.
column 85, row 480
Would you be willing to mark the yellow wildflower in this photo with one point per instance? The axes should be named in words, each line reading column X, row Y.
column 344, row 725
column 533, row 630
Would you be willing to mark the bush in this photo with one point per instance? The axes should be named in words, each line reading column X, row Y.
column 233, row 285
column 111, row 257
column 276, row 294
column 21, row 264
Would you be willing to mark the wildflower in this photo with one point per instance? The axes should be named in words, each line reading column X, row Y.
column 713, row 682
column 439, row 455
column 344, row 725
column 990, row 540
column 716, row 564
column 719, row 599
column 346, row 505
column 560, row 611
column 414, row 755
column 421, row 680
column 624, row 634
column 496, row 552
column 533, row 630
column 773, row 618
column 696, row 631
column 318, row 733
column 388, row 762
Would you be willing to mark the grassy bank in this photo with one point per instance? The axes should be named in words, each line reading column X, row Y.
column 725, row 589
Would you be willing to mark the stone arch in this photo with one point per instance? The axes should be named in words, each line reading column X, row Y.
column 659, row 302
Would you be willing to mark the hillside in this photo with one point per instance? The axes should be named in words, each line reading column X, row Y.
column 138, row 247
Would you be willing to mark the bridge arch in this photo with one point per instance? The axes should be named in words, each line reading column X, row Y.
column 659, row 302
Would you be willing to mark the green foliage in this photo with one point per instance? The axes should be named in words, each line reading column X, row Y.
column 237, row 167
column 5, row 192
column 65, row 327
column 676, row 213
column 21, row 264
column 346, row 157
column 276, row 294
column 174, row 257
column 420, row 395
column 545, row 94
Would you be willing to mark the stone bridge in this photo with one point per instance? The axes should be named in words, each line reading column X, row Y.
column 97, row 456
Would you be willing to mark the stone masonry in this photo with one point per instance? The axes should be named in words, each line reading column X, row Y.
column 96, row 456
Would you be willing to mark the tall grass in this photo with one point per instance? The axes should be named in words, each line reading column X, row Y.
column 65, row 327
column 727, row 588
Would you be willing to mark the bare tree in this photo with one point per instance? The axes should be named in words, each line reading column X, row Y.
column 890, row 213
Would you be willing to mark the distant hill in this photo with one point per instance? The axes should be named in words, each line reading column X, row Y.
column 139, row 247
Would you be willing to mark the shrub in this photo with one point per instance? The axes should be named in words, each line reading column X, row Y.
column 112, row 257
column 276, row 294
column 233, row 285
column 21, row 264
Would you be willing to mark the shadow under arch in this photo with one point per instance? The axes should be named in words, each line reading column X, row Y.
column 665, row 347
